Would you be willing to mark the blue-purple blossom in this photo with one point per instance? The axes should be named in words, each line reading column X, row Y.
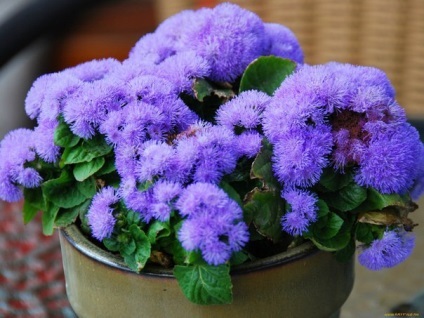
column 152, row 48
column 44, row 140
column 249, row 144
column 100, row 214
column 93, row 70
column 155, row 159
column 209, row 38
column 393, row 248
column 213, row 223
column 389, row 161
column 45, row 99
column 283, row 42
column 244, row 111
column 204, row 153
column 301, row 155
column 182, row 68
column 98, row 98
column 16, row 149
column 302, row 212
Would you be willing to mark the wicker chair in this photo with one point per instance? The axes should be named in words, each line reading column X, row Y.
column 388, row 34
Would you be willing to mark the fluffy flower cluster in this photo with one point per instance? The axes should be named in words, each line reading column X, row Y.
column 393, row 248
column 340, row 116
column 214, row 222
column 170, row 159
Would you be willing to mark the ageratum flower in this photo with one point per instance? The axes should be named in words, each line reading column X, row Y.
column 389, row 161
column 100, row 214
column 12, row 164
column 213, row 223
column 301, row 155
column 323, row 116
column 203, row 153
column 209, row 38
column 99, row 99
column 393, row 248
column 181, row 69
column 283, row 42
column 302, row 211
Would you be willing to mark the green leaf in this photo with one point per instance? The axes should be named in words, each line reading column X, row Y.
column 205, row 284
column 266, row 209
column 128, row 248
column 111, row 244
column 107, row 168
column 143, row 247
column 48, row 218
column 67, row 216
column 203, row 88
column 266, row 74
column 158, row 230
column 231, row 192
column 336, row 243
column 87, row 151
column 347, row 198
column 346, row 253
column 262, row 166
column 378, row 201
column 366, row 233
column 84, row 170
column 63, row 136
column 63, row 191
column 238, row 258
column 29, row 212
column 87, row 188
column 332, row 225
column 333, row 181
column 34, row 202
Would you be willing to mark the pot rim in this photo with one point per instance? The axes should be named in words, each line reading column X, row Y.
column 82, row 244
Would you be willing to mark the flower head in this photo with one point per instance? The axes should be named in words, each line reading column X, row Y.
column 100, row 214
column 213, row 223
column 283, row 42
column 209, row 35
column 302, row 211
column 393, row 248
column 12, row 164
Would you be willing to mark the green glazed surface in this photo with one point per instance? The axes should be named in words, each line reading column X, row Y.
column 303, row 282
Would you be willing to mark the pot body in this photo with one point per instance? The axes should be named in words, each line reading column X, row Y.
column 302, row 282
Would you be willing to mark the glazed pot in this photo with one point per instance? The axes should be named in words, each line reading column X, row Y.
column 302, row 282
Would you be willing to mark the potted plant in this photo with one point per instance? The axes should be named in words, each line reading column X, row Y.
column 211, row 148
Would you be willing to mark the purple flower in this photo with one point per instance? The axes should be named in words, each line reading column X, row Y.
column 418, row 187
column 44, row 140
column 45, row 98
column 393, row 248
column 302, row 211
column 388, row 162
column 88, row 107
column 182, row 68
column 283, row 42
column 213, row 223
column 204, row 154
column 249, row 144
column 16, row 149
column 100, row 214
column 243, row 111
column 93, row 70
column 155, row 158
column 135, row 199
column 209, row 38
column 301, row 155
column 152, row 48
column 166, row 191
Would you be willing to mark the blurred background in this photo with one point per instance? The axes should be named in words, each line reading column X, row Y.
column 40, row 36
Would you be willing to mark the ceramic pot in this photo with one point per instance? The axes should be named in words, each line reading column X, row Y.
column 303, row 282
